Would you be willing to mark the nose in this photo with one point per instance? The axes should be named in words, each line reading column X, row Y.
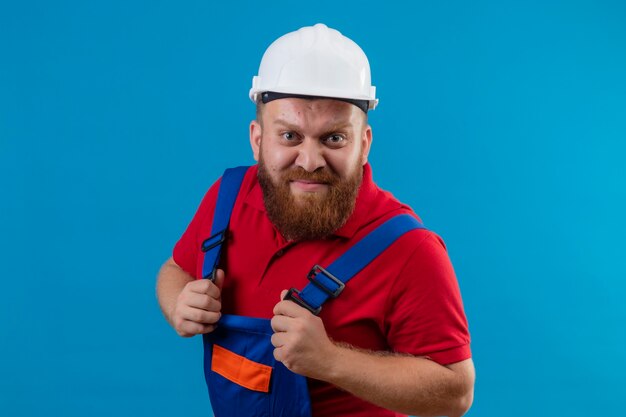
column 310, row 155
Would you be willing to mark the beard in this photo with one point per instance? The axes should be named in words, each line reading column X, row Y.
column 309, row 216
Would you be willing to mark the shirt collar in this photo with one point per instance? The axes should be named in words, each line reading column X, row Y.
column 365, row 197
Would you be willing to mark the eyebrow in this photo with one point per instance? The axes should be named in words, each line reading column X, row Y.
column 333, row 128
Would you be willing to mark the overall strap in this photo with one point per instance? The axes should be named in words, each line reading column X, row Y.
column 329, row 282
column 227, row 194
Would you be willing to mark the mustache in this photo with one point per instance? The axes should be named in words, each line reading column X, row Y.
column 322, row 175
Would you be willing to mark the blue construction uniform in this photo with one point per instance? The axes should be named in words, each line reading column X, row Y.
column 242, row 375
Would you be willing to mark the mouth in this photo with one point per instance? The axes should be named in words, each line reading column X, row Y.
column 308, row 185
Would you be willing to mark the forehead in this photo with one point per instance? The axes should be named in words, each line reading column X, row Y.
column 312, row 112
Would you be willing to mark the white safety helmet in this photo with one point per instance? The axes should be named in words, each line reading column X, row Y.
column 315, row 61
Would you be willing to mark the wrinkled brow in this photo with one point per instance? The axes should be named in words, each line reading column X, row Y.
column 331, row 128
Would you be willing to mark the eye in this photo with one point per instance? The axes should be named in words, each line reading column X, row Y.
column 335, row 139
column 288, row 136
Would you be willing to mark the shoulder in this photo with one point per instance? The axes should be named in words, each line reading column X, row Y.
column 202, row 222
column 207, row 206
column 426, row 267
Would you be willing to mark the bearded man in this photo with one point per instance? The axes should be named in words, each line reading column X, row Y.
column 392, row 341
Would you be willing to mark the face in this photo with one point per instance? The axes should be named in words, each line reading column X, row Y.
column 311, row 155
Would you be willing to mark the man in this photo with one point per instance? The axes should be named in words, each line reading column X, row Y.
column 394, row 339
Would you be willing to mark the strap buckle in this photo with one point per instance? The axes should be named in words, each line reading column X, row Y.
column 294, row 295
column 313, row 274
column 215, row 240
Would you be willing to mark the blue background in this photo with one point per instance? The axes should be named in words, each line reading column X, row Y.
column 503, row 124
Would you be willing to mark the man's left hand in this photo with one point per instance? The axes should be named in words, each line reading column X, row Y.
column 300, row 340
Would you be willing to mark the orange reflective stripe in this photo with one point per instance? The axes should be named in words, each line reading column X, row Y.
column 252, row 375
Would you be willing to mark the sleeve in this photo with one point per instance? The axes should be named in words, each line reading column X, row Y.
column 187, row 249
column 425, row 314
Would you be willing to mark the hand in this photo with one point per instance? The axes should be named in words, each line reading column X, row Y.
column 300, row 340
column 198, row 306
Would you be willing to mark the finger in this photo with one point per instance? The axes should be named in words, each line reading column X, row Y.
column 219, row 279
column 197, row 315
column 207, row 328
column 203, row 301
column 283, row 293
column 281, row 323
column 290, row 309
column 278, row 354
column 201, row 286
column 278, row 339
column 190, row 328
column 204, row 286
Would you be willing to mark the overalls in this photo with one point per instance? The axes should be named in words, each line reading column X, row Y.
column 242, row 375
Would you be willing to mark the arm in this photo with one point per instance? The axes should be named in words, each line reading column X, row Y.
column 407, row 384
column 190, row 306
column 402, row 383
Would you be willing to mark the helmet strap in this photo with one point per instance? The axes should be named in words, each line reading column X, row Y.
column 268, row 96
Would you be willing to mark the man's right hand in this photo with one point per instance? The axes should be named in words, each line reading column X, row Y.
column 198, row 306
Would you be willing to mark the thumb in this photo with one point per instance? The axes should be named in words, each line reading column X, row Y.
column 283, row 293
column 219, row 278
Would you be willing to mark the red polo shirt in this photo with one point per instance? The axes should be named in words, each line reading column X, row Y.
column 407, row 300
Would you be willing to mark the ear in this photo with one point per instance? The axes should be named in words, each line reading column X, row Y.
column 367, row 143
column 256, row 132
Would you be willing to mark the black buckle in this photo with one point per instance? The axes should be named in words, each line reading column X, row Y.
column 318, row 269
column 207, row 245
column 298, row 300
